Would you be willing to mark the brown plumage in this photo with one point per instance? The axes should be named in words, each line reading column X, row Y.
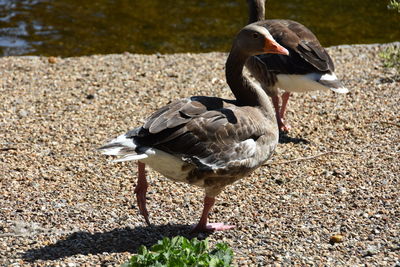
column 208, row 141
column 307, row 68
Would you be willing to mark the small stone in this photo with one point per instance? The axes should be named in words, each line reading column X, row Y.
column 336, row 239
column 90, row 96
column 341, row 190
column 52, row 60
column 23, row 113
column 371, row 250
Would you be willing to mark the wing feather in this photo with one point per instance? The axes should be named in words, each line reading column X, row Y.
column 305, row 52
column 206, row 131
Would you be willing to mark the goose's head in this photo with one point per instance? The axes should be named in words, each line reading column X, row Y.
column 255, row 40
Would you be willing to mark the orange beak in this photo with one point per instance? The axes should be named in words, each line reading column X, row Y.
column 272, row 47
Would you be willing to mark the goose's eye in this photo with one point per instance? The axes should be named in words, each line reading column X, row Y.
column 255, row 35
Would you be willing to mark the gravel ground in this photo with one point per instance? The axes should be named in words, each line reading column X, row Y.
column 63, row 204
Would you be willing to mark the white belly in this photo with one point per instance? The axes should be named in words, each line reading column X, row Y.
column 299, row 83
column 168, row 165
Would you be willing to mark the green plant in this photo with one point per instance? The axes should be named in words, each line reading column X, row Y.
column 394, row 4
column 391, row 57
column 181, row 252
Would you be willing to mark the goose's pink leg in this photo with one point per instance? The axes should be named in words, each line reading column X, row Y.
column 285, row 99
column 140, row 190
column 281, row 125
column 203, row 226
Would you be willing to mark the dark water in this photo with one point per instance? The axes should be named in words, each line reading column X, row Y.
column 73, row 28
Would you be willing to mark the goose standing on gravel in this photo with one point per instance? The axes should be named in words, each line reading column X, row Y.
column 208, row 141
column 307, row 68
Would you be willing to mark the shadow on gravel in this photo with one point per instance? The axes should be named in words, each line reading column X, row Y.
column 284, row 139
column 117, row 240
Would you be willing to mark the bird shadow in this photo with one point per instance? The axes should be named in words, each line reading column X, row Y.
column 117, row 241
column 285, row 139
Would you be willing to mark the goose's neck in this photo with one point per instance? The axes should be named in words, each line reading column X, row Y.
column 256, row 10
column 246, row 92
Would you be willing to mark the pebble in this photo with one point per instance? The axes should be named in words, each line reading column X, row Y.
column 23, row 113
column 336, row 239
column 52, row 60
column 371, row 250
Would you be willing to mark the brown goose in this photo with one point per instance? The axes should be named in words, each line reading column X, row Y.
column 208, row 141
column 307, row 68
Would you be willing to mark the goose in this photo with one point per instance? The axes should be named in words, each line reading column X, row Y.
column 307, row 68
column 206, row 141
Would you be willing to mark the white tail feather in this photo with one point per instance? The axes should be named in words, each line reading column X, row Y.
column 131, row 157
column 330, row 78
column 171, row 166
column 115, row 151
column 122, row 146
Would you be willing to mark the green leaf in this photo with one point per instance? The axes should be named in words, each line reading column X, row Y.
column 394, row 4
column 158, row 247
column 391, row 57
column 213, row 262
column 177, row 240
column 181, row 252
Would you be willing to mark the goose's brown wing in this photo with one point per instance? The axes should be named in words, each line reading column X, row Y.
column 306, row 55
column 211, row 133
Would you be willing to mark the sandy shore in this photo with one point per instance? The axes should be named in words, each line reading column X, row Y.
column 62, row 204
